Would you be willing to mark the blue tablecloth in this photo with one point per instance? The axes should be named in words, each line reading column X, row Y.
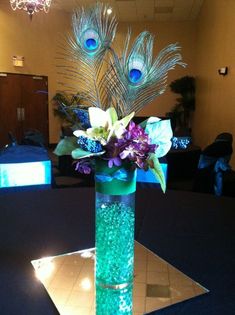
column 22, row 154
column 194, row 232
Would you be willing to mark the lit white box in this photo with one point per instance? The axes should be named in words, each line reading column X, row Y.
column 25, row 174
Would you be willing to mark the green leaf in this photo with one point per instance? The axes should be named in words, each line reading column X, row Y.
column 66, row 146
column 80, row 154
column 119, row 126
column 143, row 123
column 156, row 168
column 111, row 111
column 125, row 121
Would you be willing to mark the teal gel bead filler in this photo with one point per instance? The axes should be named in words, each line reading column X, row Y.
column 115, row 222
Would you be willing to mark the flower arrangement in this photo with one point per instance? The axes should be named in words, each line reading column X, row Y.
column 129, row 82
column 119, row 141
column 116, row 143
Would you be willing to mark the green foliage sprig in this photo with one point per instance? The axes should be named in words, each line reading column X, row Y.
column 181, row 111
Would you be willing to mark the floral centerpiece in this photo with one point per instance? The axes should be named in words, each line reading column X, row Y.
column 120, row 141
column 117, row 87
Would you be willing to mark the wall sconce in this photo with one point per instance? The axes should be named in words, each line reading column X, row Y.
column 223, row 71
column 18, row 61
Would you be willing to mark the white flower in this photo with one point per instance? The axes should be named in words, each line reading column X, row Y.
column 104, row 125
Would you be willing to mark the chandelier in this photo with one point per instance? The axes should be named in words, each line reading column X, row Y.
column 31, row 6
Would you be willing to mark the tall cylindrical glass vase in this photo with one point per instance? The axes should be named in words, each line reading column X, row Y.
column 115, row 221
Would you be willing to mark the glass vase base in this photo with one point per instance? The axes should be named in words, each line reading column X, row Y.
column 112, row 301
column 69, row 281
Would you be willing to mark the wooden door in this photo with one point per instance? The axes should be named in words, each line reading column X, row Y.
column 10, row 103
column 35, row 104
column 23, row 106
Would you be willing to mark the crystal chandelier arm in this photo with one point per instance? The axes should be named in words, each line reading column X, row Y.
column 31, row 6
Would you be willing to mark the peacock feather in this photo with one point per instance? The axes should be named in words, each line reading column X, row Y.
column 93, row 33
column 134, row 79
column 129, row 81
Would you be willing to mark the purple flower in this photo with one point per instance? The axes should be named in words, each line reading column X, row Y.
column 134, row 145
column 129, row 152
column 114, row 161
column 83, row 166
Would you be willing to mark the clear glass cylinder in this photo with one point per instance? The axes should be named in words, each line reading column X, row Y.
column 115, row 222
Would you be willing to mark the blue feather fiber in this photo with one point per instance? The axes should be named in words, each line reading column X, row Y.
column 89, row 144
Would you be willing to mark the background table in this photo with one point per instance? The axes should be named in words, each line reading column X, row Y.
column 182, row 163
column 194, row 232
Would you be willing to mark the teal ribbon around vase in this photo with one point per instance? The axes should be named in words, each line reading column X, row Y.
column 114, row 180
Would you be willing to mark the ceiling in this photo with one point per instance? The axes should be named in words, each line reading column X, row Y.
column 142, row 10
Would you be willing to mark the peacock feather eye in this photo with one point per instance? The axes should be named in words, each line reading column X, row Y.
column 135, row 75
column 136, row 69
column 90, row 41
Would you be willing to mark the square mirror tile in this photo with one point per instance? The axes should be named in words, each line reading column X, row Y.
column 69, row 280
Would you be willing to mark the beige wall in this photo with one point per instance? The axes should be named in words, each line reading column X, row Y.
column 215, row 99
column 37, row 40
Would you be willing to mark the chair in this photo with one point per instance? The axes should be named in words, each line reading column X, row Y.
column 213, row 165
